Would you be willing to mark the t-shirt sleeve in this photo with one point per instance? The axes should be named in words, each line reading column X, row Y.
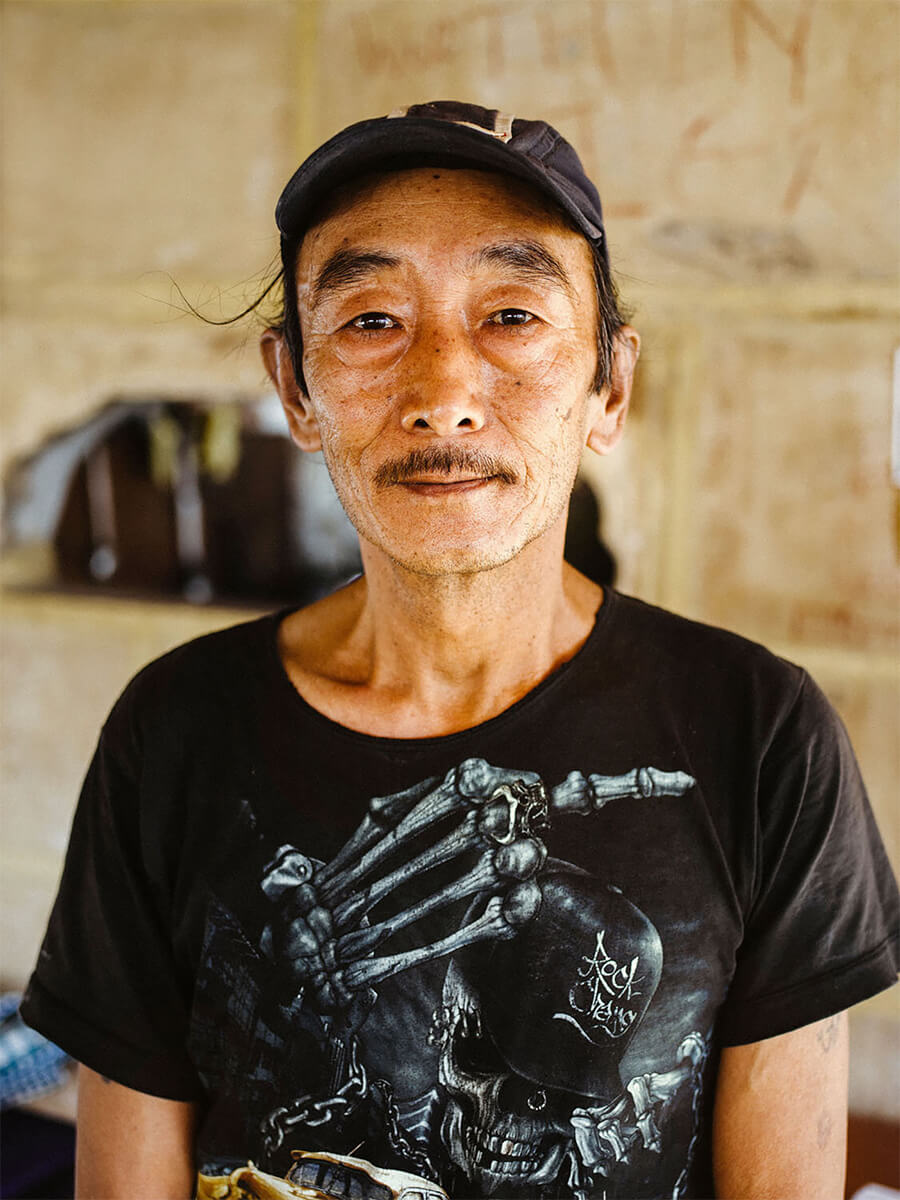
column 823, row 930
column 107, row 988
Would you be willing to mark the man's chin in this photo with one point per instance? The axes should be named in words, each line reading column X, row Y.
column 464, row 560
column 436, row 558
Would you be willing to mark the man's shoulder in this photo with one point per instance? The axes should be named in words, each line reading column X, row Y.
column 685, row 633
column 672, row 644
column 193, row 678
column 218, row 649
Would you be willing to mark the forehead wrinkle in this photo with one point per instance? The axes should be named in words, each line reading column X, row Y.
column 529, row 261
column 345, row 268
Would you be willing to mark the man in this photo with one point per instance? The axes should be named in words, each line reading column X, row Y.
column 526, row 887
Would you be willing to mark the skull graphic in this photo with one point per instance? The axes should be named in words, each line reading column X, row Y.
column 533, row 1029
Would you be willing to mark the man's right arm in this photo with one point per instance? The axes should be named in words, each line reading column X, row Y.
column 131, row 1144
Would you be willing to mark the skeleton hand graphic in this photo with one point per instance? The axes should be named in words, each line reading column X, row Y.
column 604, row 1136
column 324, row 935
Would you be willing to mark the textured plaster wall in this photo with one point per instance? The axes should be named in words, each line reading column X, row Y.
column 747, row 154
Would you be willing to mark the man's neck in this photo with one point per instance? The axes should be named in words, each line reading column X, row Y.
column 403, row 655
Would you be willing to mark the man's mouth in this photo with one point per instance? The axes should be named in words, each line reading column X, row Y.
column 446, row 486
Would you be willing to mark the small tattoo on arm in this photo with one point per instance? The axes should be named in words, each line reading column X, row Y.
column 828, row 1032
column 823, row 1130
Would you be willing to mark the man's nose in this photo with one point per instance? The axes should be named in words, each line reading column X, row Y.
column 442, row 387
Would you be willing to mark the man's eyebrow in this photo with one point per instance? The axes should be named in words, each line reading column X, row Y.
column 345, row 268
column 530, row 261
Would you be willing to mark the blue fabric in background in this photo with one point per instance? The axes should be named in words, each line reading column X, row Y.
column 29, row 1064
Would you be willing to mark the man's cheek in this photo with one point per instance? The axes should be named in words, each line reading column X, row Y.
column 319, row 370
column 560, row 371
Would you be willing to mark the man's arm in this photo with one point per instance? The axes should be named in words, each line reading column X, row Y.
column 780, row 1126
column 131, row 1144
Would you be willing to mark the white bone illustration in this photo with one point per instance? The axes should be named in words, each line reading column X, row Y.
column 325, row 937
column 605, row 1135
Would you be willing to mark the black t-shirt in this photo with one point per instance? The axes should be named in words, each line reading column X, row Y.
column 505, row 959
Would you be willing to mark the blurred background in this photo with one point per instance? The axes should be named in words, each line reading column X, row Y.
column 748, row 156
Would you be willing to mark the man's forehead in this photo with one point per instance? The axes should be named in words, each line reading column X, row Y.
column 511, row 199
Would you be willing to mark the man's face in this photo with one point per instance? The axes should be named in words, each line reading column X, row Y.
column 449, row 348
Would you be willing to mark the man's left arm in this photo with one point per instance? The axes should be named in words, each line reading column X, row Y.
column 780, row 1124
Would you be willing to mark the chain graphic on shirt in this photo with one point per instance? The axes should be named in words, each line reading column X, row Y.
column 309, row 1111
column 396, row 1135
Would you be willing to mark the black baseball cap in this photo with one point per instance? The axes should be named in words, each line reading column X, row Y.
column 445, row 133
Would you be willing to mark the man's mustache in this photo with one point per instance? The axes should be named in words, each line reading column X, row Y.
column 444, row 460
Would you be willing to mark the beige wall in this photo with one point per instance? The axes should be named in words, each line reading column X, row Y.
column 747, row 154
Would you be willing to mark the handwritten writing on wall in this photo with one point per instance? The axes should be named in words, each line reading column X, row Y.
column 755, row 112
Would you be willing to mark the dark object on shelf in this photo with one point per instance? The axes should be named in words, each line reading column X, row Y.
column 183, row 498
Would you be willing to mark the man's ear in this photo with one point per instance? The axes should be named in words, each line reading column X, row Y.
column 613, row 400
column 277, row 359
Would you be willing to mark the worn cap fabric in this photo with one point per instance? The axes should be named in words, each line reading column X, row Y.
column 445, row 133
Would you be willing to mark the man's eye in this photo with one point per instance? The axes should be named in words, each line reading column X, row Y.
column 511, row 316
column 372, row 322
